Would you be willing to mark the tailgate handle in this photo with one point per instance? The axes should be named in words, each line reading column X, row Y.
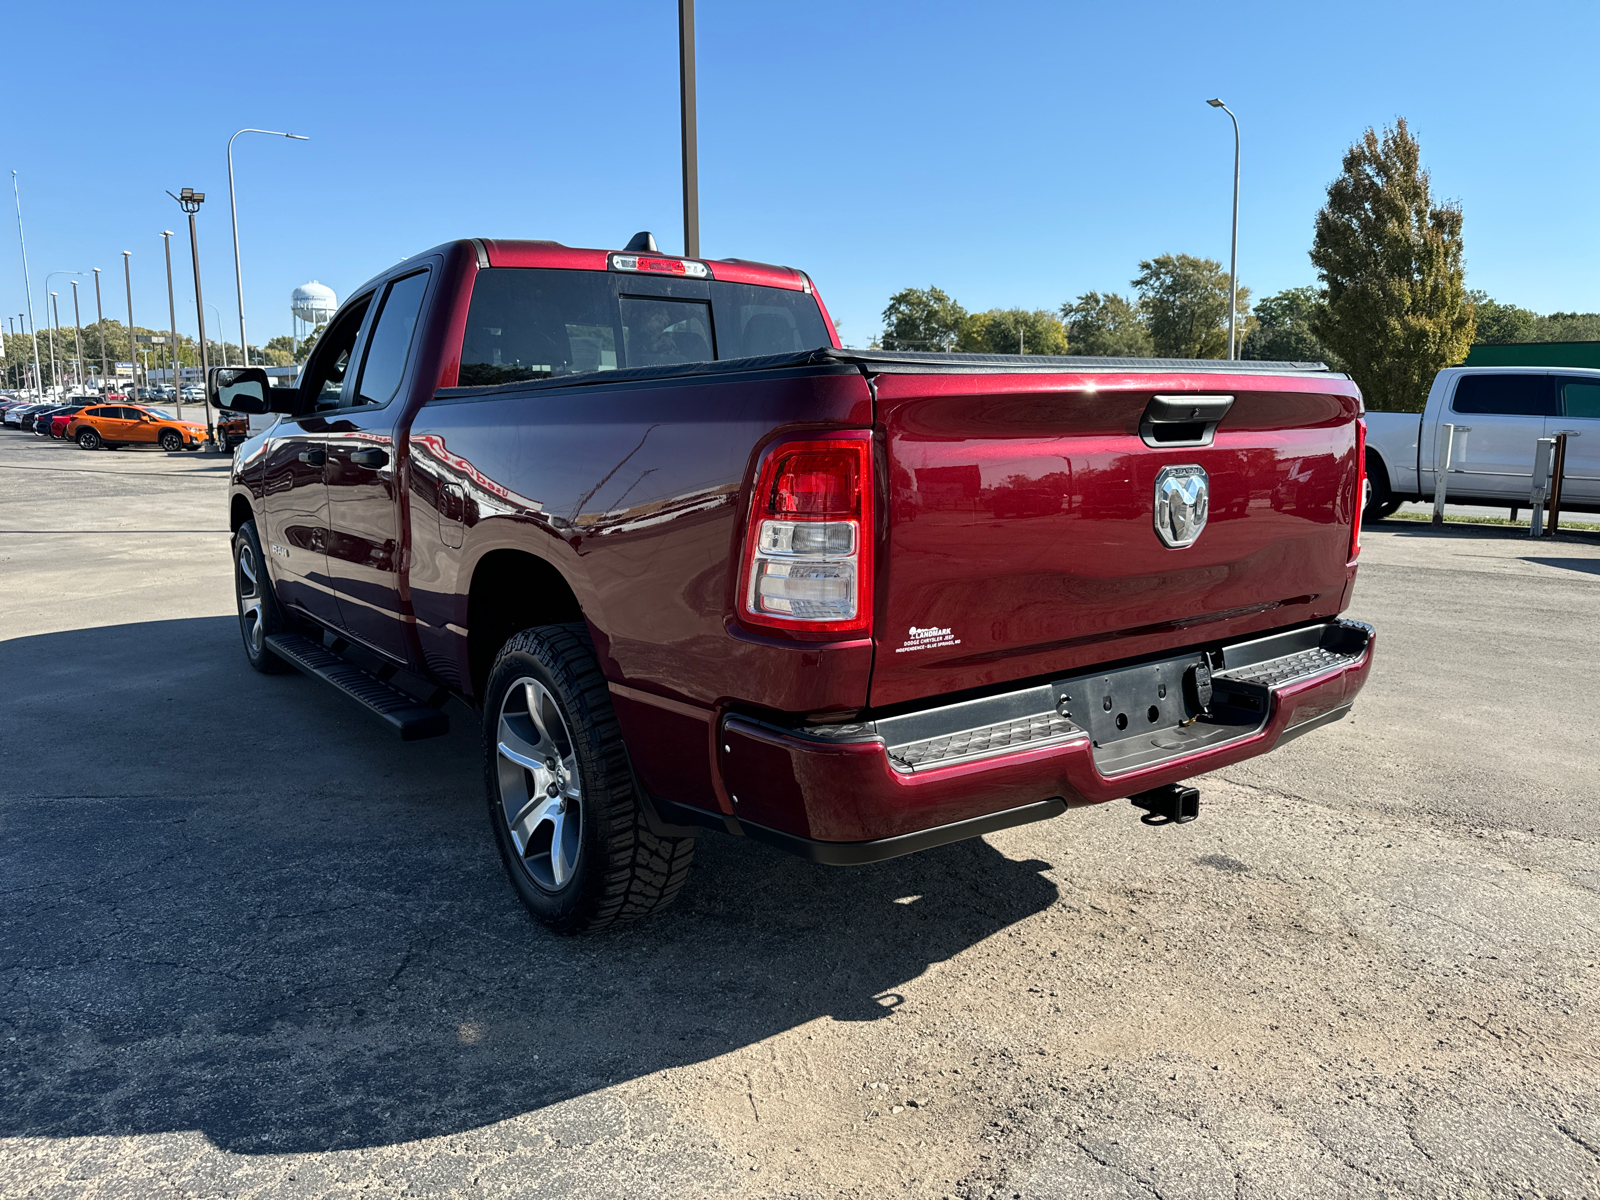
column 1182, row 420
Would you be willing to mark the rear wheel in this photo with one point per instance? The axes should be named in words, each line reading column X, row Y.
column 88, row 439
column 561, row 794
column 259, row 614
column 171, row 441
column 1380, row 501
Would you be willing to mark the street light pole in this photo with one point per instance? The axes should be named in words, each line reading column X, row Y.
column 100, row 326
column 133, row 349
column 172, row 326
column 222, row 342
column 27, row 283
column 77, row 339
column 233, row 208
column 1233, row 258
column 691, row 150
column 190, row 201
column 50, row 336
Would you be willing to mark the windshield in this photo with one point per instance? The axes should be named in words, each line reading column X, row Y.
column 532, row 323
column 160, row 414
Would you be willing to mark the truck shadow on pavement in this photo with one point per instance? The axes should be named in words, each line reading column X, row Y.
column 233, row 904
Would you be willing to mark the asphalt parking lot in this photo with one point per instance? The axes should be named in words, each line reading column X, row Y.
column 250, row 946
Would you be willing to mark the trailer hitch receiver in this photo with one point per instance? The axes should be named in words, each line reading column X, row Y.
column 1171, row 804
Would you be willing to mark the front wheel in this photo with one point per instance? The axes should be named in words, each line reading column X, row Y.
column 88, row 439
column 561, row 796
column 259, row 614
column 171, row 441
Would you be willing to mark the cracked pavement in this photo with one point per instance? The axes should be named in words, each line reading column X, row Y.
column 252, row 947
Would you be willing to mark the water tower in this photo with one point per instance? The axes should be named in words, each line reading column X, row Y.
column 313, row 303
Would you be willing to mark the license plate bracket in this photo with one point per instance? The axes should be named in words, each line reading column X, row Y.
column 1130, row 701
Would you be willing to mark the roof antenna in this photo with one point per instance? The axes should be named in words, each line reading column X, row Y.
column 643, row 242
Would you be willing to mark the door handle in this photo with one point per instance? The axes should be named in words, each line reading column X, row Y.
column 313, row 458
column 371, row 457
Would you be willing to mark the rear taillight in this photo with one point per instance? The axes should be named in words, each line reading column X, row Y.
column 808, row 550
column 654, row 265
column 1361, row 487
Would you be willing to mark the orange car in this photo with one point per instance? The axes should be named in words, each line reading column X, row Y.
column 133, row 425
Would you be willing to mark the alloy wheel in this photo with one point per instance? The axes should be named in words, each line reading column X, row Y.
column 541, row 799
column 249, row 587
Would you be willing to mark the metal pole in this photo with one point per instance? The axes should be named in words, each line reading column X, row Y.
column 691, row 163
column 233, row 208
column 1233, row 256
column 133, row 353
column 1441, row 465
column 1558, row 471
column 1543, row 453
column 100, row 325
column 172, row 326
column 77, row 339
column 200, row 316
column 50, row 336
column 27, row 284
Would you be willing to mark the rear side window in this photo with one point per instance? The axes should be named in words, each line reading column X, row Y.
column 533, row 323
column 1506, row 395
column 1580, row 399
column 389, row 343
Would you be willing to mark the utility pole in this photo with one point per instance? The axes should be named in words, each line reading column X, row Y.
column 100, row 324
column 77, row 339
column 133, row 350
column 691, row 155
column 190, row 201
column 1233, row 257
column 27, row 283
column 172, row 326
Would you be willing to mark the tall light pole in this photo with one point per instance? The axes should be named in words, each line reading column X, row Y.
column 52, row 333
column 172, row 326
column 233, row 208
column 133, row 347
column 1233, row 257
column 100, row 327
column 33, row 332
column 691, row 150
column 222, row 342
column 190, row 201
column 77, row 338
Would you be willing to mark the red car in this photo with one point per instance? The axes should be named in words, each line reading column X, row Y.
column 698, row 567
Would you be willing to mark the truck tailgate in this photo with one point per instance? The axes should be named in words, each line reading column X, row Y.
column 1020, row 534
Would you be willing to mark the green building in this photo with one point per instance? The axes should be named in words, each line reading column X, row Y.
column 1535, row 354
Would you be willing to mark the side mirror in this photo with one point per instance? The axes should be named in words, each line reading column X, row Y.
column 239, row 389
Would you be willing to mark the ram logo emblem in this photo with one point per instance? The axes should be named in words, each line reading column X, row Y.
column 1183, row 499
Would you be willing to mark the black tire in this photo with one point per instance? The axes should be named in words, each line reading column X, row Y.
column 171, row 441
column 89, row 439
column 619, row 870
column 260, row 615
column 1380, row 501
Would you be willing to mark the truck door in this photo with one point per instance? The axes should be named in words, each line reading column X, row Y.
column 364, row 546
column 295, row 512
column 1506, row 413
column 1580, row 421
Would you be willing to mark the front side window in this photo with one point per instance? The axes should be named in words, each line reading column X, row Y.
column 1506, row 395
column 324, row 380
column 1581, row 399
column 389, row 343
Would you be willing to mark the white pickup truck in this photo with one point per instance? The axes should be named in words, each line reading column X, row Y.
column 1498, row 414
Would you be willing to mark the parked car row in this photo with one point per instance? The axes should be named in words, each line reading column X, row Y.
column 94, row 425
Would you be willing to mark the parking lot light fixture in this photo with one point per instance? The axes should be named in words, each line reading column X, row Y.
column 27, row 289
column 133, row 353
column 233, row 208
column 190, row 201
column 172, row 326
column 1233, row 255
column 100, row 327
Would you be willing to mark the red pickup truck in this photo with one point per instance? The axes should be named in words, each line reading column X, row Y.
column 697, row 566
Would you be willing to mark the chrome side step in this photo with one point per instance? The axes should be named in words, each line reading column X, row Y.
column 406, row 715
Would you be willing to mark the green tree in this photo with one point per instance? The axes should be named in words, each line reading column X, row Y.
column 1283, row 329
column 1501, row 324
column 918, row 319
column 1185, row 305
column 1109, row 326
column 1397, row 311
column 1013, row 331
column 1567, row 327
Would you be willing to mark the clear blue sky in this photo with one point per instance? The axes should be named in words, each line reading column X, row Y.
column 1012, row 153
